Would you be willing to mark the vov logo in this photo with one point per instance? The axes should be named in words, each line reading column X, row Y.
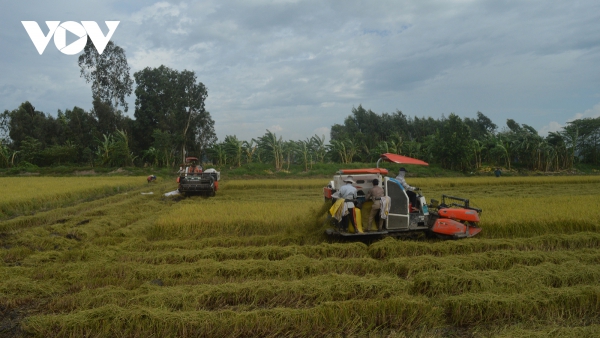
column 59, row 30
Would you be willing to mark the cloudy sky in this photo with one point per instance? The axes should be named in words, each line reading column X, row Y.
column 298, row 67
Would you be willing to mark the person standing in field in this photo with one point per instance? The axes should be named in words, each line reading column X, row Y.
column 412, row 197
column 375, row 194
column 349, row 194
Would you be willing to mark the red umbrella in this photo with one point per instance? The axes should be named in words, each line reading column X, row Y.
column 401, row 159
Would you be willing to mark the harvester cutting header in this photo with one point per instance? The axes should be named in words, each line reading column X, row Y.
column 402, row 209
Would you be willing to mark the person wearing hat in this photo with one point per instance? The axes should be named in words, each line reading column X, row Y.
column 412, row 197
column 349, row 194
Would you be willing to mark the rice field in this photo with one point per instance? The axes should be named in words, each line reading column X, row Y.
column 253, row 262
column 30, row 194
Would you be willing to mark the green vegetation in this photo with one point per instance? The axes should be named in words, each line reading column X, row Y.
column 253, row 261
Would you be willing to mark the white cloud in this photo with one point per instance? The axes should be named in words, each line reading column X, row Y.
column 589, row 113
column 160, row 11
column 151, row 58
column 555, row 126
column 551, row 127
column 276, row 129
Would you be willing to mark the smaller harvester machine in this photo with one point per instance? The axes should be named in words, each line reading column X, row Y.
column 450, row 218
column 193, row 180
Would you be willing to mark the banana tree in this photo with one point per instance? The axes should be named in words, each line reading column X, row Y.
column 249, row 149
column 234, row 149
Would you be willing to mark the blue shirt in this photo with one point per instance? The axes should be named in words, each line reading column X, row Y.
column 348, row 192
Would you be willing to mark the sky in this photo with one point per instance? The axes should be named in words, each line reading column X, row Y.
column 298, row 67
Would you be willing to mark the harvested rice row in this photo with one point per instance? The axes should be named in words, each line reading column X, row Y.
column 315, row 290
column 455, row 281
column 389, row 248
column 62, row 214
column 268, row 252
column 144, row 245
column 563, row 304
column 100, row 273
column 246, row 296
column 550, row 331
column 347, row 318
column 385, row 249
column 493, row 260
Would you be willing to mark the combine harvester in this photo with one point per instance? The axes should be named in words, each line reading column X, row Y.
column 193, row 180
column 453, row 218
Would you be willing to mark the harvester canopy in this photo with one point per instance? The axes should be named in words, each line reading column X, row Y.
column 395, row 158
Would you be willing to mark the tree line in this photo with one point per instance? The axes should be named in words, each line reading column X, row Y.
column 451, row 142
column 160, row 137
column 170, row 122
column 465, row 144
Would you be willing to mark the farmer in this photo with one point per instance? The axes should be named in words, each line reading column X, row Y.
column 412, row 197
column 375, row 194
column 349, row 194
column 194, row 169
column 151, row 178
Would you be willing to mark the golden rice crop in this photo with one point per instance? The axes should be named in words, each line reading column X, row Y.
column 308, row 183
column 245, row 218
column 433, row 182
column 33, row 193
column 529, row 216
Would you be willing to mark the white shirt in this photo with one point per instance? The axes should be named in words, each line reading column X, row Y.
column 400, row 178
